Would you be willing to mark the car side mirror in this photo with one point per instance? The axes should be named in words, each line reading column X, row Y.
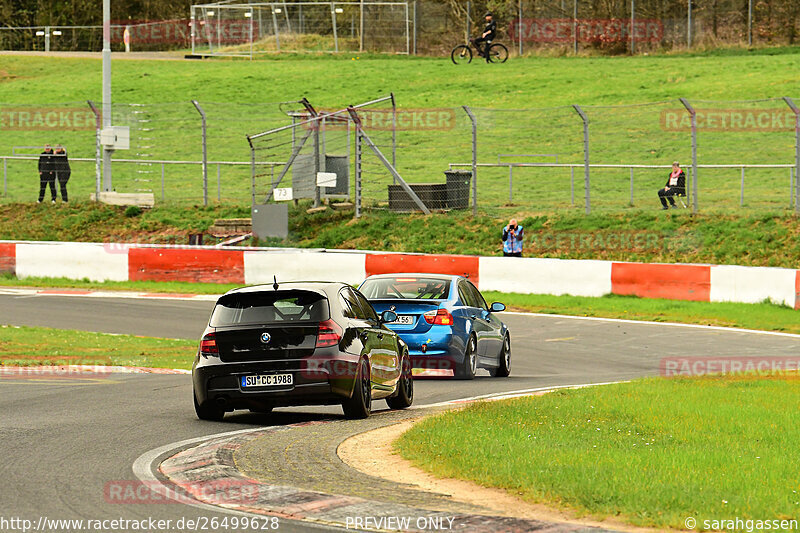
column 497, row 307
column 388, row 316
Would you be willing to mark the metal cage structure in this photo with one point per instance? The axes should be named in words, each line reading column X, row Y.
column 229, row 28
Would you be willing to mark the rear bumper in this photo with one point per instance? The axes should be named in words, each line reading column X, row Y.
column 316, row 382
column 438, row 348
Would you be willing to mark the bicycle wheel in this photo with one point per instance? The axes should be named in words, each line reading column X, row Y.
column 461, row 54
column 498, row 53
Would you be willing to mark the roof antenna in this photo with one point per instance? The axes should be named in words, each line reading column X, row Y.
column 275, row 282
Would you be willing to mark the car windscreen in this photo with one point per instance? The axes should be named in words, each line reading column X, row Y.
column 269, row 307
column 406, row 287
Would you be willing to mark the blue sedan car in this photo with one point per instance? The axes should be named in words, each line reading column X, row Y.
column 445, row 322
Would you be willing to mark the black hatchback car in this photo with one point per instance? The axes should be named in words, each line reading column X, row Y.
column 299, row 344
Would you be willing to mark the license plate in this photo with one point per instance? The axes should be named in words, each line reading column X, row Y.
column 406, row 320
column 267, row 380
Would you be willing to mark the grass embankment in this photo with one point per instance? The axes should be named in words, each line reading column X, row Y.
column 166, row 125
column 763, row 316
column 652, row 452
column 673, row 236
column 33, row 346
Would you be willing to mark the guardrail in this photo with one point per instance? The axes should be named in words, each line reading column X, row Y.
column 162, row 162
column 631, row 167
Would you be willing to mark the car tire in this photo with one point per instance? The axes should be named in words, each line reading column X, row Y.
column 359, row 405
column 504, row 367
column 207, row 411
column 466, row 370
column 405, row 387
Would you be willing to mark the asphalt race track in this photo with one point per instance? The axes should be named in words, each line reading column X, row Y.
column 64, row 441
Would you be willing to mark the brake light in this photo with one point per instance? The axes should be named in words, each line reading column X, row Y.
column 330, row 333
column 208, row 346
column 440, row 317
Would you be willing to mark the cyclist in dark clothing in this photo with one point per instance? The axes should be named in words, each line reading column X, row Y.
column 489, row 32
column 47, row 175
column 62, row 170
column 676, row 185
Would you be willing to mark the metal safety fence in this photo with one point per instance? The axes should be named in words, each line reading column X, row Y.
column 736, row 154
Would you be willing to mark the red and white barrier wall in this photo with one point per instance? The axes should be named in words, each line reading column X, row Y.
column 123, row 262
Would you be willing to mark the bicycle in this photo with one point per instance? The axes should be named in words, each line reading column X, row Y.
column 462, row 53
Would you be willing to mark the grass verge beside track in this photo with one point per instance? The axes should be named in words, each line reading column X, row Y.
column 651, row 452
column 764, row 316
column 33, row 346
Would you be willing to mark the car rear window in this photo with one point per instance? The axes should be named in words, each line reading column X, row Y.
column 269, row 307
column 406, row 287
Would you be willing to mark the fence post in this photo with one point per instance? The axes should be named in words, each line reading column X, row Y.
column 631, row 186
column 575, row 27
column 695, row 179
column 97, row 149
column 474, row 121
column 205, row 150
column 633, row 21
column 163, row 195
column 219, row 183
column 510, row 183
column 749, row 22
column 519, row 28
column 253, row 171
column 586, row 186
column 394, row 134
column 741, row 191
column 796, row 112
column 275, row 26
column 358, row 172
column 572, row 184
column 317, row 166
column 415, row 27
column 5, row 177
column 361, row 26
column 335, row 35
column 689, row 26
column 466, row 26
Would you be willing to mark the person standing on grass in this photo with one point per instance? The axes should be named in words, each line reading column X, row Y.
column 62, row 170
column 676, row 186
column 47, row 175
column 512, row 239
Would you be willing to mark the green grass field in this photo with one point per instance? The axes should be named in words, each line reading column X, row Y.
column 235, row 95
column 757, row 239
column 24, row 346
column 651, row 452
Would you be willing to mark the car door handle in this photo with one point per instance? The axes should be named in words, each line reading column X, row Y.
column 380, row 336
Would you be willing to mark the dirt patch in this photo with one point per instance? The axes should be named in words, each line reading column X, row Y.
column 372, row 453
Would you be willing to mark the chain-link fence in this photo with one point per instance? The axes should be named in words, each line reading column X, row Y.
column 433, row 27
column 736, row 154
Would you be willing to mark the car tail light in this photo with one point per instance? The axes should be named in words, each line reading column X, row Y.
column 440, row 317
column 330, row 333
column 208, row 346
